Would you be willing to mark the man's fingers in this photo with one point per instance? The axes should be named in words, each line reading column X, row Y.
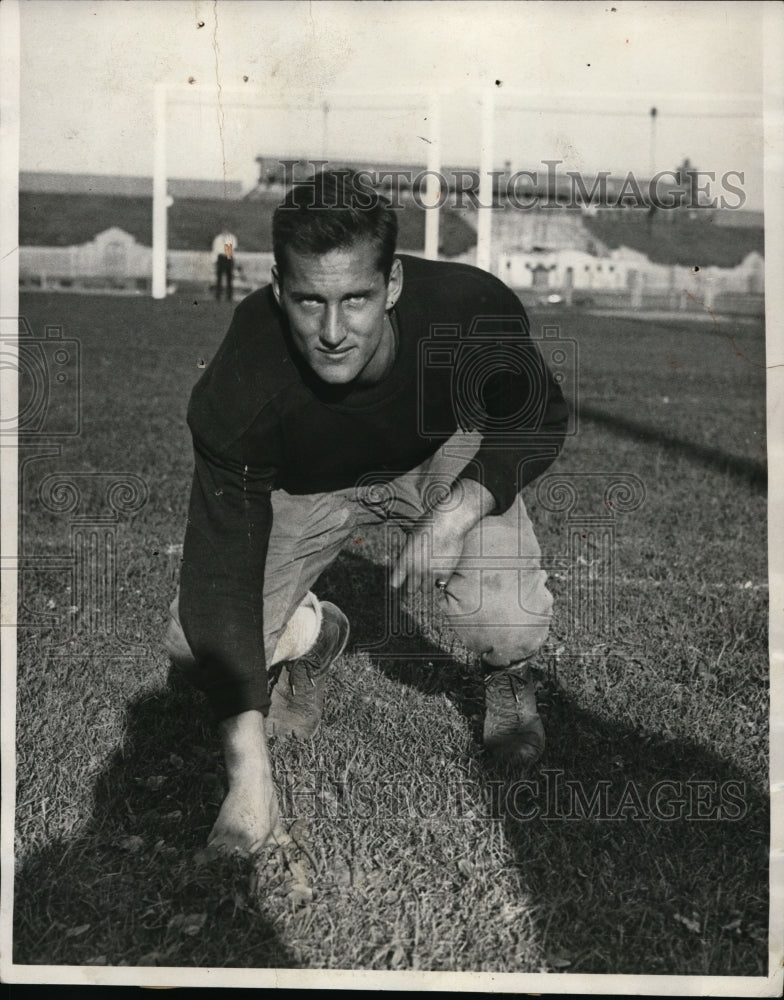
column 398, row 575
column 398, row 561
column 405, row 566
column 414, row 570
column 219, row 848
column 206, row 856
column 237, row 845
column 417, row 556
column 279, row 836
column 413, row 565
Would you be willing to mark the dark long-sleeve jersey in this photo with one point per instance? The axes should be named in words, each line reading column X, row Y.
column 262, row 420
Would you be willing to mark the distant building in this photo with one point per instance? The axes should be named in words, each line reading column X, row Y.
column 624, row 278
column 112, row 262
column 93, row 240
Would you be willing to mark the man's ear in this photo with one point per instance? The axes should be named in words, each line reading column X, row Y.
column 276, row 284
column 395, row 283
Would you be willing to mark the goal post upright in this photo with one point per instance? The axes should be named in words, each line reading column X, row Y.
column 433, row 185
column 486, row 152
column 159, row 196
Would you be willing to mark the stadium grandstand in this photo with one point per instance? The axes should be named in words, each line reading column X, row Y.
column 93, row 232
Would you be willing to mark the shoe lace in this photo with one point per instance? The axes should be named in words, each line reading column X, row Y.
column 308, row 664
column 499, row 683
column 300, row 666
column 301, row 669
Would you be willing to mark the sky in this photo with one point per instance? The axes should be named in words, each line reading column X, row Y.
column 577, row 82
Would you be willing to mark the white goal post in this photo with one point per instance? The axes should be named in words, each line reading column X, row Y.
column 430, row 105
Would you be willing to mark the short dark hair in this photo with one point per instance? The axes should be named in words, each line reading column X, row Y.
column 334, row 211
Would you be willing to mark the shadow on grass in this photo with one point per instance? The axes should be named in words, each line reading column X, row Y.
column 618, row 887
column 126, row 889
column 746, row 471
column 644, row 855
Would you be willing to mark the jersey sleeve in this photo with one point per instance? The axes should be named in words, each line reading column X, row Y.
column 236, row 459
column 222, row 583
column 504, row 384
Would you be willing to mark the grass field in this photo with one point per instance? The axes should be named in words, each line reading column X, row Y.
column 409, row 850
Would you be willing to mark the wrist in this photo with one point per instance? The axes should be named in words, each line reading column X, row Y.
column 464, row 506
column 244, row 746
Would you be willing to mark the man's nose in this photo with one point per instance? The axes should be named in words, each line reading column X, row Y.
column 332, row 331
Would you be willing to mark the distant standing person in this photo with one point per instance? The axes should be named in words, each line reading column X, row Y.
column 223, row 248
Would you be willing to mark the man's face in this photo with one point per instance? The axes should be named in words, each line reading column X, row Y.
column 336, row 305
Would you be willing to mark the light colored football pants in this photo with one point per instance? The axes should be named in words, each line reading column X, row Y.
column 496, row 600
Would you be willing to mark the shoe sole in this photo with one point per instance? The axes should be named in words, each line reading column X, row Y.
column 334, row 607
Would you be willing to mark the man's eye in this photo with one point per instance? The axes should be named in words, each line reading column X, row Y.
column 355, row 299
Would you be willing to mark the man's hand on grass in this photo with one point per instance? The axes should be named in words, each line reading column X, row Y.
column 248, row 818
column 249, row 815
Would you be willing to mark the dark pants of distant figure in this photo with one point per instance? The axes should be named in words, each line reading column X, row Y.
column 496, row 600
column 223, row 268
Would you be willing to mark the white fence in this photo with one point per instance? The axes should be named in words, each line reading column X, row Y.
column 115, row 262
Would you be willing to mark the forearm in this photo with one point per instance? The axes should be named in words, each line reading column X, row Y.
column 527, row 421
column 505, row 471
column 221, row 589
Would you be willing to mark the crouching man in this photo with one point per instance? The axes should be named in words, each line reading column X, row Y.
column 340, row 395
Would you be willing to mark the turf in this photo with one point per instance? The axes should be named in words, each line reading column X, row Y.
column 410, row 850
